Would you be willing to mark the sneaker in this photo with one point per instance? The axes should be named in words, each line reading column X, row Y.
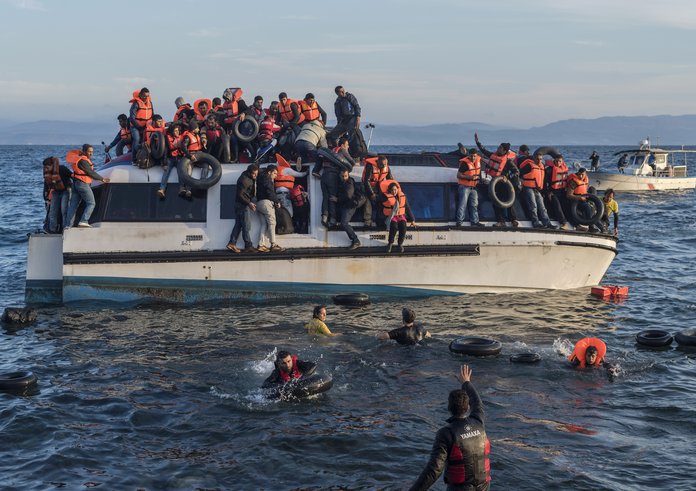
column 276, row 248
column 250, row 249
column 160, row 193
column 401, row 248
column 325, row 221
column 84, row 225
column 582, row 228
column 537, row 225
column 389, row 248
column 354, row 245
column 188, row 194
column 262, row 248
column 551, row 226
column 565, row 226
column 182, row 193
column 233, row 247
column 499, row 224
column 476, row 224
column 515, row 223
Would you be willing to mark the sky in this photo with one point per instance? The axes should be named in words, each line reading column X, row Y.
column 511, row 63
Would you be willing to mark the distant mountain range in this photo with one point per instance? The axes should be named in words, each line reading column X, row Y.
column 611, row 130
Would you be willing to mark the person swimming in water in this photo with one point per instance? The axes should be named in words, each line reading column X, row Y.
column 317, row 326
column 287, row 368
column 589, row 352
column 410, row 333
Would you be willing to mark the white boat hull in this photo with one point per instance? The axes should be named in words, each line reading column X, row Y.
column 631, row 183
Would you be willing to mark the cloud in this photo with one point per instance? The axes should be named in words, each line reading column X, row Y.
column 29, row 5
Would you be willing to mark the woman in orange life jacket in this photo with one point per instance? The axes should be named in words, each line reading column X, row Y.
column 500, row 163
column 174, row 153
column 555, row 176
column 140, row 114
column 397, row 213
column 83, row 175
column 123, row 137
column 590, row 352
column 576, row 189
column 532, row 172
column 468, row 177
column 461, row 448
column 57, row 190
column 190, row 147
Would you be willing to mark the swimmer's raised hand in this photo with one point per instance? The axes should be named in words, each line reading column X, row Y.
column 464, row 374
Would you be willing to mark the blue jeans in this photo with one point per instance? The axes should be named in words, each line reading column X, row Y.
column 172, row 162
column 60, row 200
column 346, row 214
column 81, row 192
column 467, row 196
column 535, row 206
column 242, row 224
column 135, row 140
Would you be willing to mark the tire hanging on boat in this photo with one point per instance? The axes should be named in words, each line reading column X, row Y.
column 209, row 163
column 493, row 187
column 476, row 346
column 246, row 130
column 308, row 385
column 16, row 381
column 158, row 145
column 654, row 338
column 598, row 204
column 352, row 299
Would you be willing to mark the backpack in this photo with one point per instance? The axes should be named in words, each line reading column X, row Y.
column 142, row 157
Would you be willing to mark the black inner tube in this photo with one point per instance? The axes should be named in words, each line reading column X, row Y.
column 654, row 337
column 580, row 218
column 16, row 381
column 246, row 130
column 476, row 346
column 308, row 385
column 351, row 299
column 495, row 190
column 157, row 145
column 208, row 162
column 525, row 358
column 686, row 338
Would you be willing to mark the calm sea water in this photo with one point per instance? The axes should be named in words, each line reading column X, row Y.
column 166, row 397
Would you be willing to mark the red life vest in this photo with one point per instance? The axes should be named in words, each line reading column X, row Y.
column 144, row 112
column 73, row 158
column 310, row 112
column 581, row 347
column 580, row 184
column 296, row 196
column 196, row 109
column 285, row 111
column 267, row 129
column 496, row 164
column 295, row 373
column 534, row 178
column 52, row 177
column 559, row 175
column 472, row 175
column 180, row 115
column 174, row 145
column 456, row 464
column 194, row 144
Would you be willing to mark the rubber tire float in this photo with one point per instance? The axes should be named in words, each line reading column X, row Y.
column 351, row 299
column 493, row 193
column 158, row 145
column 16, row 381
column 525, row 358
column 550, row 151
column 594, row 219
column 206, row 182
column 308, row 385
column 246, row 130
column 654, row 338
column 476, row 346
column 686, row 338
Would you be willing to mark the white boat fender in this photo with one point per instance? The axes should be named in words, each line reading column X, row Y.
column 494, row 190
column 476, row 346
column 598, row 205
column 211, row 178
column 654, row 338
column 246, row 130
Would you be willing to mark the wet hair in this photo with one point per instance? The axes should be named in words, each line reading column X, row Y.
column 408, row 315
column 86, row 147
column 258, row 98
column 309, row 96
column 458, row 402
column 338, row 87
column 282, row 355
column 524, row 148
column 317, row 310
column 382, row 158
column 217, row 101
column 591, row 350
column 282, row 95
column 122, row 117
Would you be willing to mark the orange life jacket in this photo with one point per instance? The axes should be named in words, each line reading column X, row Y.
column 377, row 175
column 580, row 184
column 581, row 347
column 472, row 175
column 125, row 135
column 144, row 112
column 52, row 177
column 196, row 109
column 179, row 115
column 496, row 164
column 286, row 111
column 559, row 175
column 283, row 180
column 194, row 144
column 534, row 178
column 388, row 204
column 73, row 158
column 150, row 129
column 310, row 112
column 174, row 145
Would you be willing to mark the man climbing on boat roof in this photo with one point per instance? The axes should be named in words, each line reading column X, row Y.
column 123, row 138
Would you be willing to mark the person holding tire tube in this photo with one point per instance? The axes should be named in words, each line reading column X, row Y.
column 157, row 126
column 287, row 368
column 461, row 449
column 191, row 146
column 590, row 352
column 255, row 111
column 610, row 207
column 329, row 180
column 555, row 177
column 576, row 189
column 408, row 334
column 501, row 163
column 532, row 172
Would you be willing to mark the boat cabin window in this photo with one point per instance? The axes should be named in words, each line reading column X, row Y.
column 228, row 194
column 427, row 201
column 139, row 203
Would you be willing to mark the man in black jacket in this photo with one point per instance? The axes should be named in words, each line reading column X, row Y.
column 244, row 206
column 287, row 368
column 461, row 448
column 350, row 198
column 266, row 205
column 347, row 112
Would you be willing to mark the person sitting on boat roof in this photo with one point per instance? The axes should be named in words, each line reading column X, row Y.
column 532, row 172
column 174, row 153
column 201, row 109
column 191, row 146
column 255, row 111
column 213, row 135
column 312, row 136
column 266, row 206
column 610, row 207
column 184, row 112
column 329, row 180
column 396, row 211
column 555, row 176
column 468, row 176
column 83, row 175
column 576, row 190
column 350, row 198
column 288, row 367
column 347, row 112
column 589, row 352
column 140, row 114
column 375, row 171
column 285, row 182
column 244, row 208
column 410, row 333
column 217, row 105
column 500, row 163
column 156, row 126
column 622, row 163
column 311, row 110
column 317, row 326
column 290, row 113
column 594, row 161
column 123, row 138
column 233, row 108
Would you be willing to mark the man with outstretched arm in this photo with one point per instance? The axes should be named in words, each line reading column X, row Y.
column 461, row 448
